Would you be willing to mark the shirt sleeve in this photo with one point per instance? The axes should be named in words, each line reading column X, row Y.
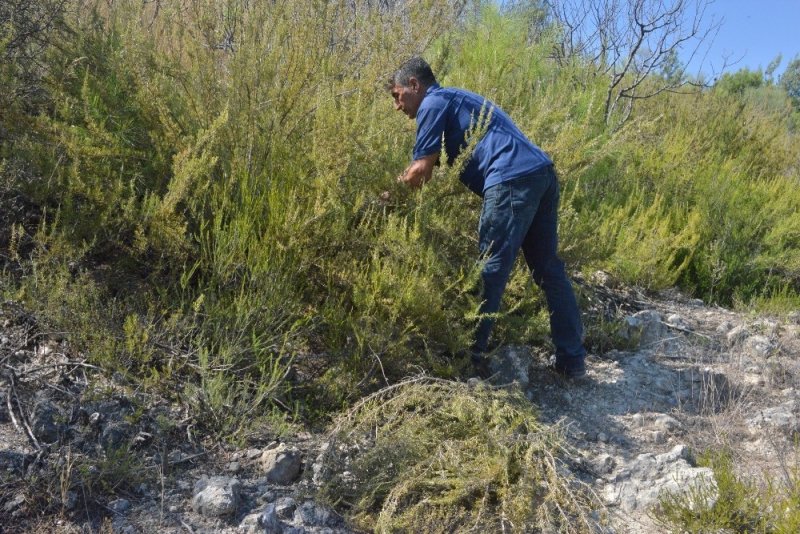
column 431, row 122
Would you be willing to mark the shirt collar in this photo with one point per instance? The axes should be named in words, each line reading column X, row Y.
column 431, row 88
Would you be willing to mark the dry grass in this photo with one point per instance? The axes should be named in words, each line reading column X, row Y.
column 430, row 455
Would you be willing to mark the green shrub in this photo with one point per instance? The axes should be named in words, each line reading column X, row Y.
column 740, row 505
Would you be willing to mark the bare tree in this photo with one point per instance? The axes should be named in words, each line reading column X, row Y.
column 631, row 41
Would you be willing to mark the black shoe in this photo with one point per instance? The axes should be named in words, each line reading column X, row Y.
column 576, row 375
column 481, row 366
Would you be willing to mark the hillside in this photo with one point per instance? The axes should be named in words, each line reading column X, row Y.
column 208, row 267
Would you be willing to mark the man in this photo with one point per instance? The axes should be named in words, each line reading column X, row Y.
column 520, row 201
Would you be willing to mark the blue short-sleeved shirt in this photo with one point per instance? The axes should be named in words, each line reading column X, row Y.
column 504, row 153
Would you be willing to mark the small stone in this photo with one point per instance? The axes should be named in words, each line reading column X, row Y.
column 252, row 454
column 14, row 503
column 510, row 364
column 758, row 346
column 282, row 464
column 644, row 327
column 311, row 514
column 677, row 321
column 173, row 509
column 267, row 496
column 268, row 520
column 4, row 340
column 602, row 437
column 659, row 437
column 234, row 467
column 216, row 496
column 737, row 335
column 637, row 419
column 285, row 507
column 603, row 464
column 43, row 422
column 119, row 506
column 667, row 423
column 724, row 327
column 142, row 439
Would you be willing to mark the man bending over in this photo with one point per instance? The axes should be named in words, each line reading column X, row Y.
column 520, row 192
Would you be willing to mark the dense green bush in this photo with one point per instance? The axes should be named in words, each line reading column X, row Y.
column 207, row 180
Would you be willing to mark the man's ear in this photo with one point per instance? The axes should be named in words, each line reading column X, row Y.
column 413, row 84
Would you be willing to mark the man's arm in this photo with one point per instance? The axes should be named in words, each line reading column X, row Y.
column 419, row 171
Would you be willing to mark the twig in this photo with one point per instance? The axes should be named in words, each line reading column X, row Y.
column 59, row 364
column 187, row 527
column 11, row 411
column 188, row 458
column 25, row 424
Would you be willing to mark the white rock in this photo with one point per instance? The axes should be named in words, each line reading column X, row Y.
column 783, row 417
column 666, row 423
column 645, row 326
column 216, row 496
column 759, row 346
column 640, row 484
column 677, row 321
column 510, row 364
column 724, row 327
column 737, row 335
column 281, row 464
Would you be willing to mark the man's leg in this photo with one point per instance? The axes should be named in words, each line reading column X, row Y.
column 540, row 247
column 508, row 210
column 498, row 255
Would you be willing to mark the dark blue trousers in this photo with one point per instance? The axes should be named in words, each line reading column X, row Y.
column 523, row 213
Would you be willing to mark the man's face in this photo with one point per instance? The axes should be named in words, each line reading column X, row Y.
column 408, row 98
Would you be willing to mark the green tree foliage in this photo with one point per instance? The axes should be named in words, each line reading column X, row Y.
column 790, row 81
column 738, row 82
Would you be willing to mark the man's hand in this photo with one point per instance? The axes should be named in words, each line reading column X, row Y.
column 419, row 172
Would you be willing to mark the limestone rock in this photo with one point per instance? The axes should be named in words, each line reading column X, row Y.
column 783, row 417
column 282, row 464
column 759, row 346
column 640, row 484
column 737, row 334
column 645, row 327
column 510, row 364
column 311, row 514
column 677, row 321
column 264, row 522
column 216, row 496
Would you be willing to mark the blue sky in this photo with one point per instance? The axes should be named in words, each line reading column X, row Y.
column 753, row 32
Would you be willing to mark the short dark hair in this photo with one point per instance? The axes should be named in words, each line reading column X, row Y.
column 416, row 67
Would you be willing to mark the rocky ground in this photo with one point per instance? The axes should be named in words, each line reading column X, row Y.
column 695, row 377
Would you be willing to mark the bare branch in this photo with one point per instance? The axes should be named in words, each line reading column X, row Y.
column 632, row 41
